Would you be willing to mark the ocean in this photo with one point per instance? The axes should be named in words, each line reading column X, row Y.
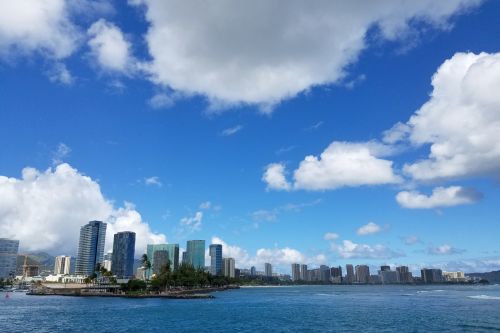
column 433, row 308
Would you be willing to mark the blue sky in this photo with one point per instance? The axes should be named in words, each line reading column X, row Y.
column 176, row 140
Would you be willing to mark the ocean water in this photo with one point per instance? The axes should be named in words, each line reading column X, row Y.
column 266, row 309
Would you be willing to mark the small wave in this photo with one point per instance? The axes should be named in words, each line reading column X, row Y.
column 430, row 291
column 485, row 297
column 329, row 295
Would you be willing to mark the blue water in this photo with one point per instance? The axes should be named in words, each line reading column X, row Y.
column 272, row 309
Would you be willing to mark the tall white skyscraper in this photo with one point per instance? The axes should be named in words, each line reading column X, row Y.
column 62, row 265
column 228, row 264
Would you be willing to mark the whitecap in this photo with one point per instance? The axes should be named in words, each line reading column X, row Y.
column 485, row 297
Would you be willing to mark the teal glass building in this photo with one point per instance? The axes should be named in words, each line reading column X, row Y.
column 195, row 253
column 172, row 254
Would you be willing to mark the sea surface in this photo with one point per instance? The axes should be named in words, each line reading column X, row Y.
column 266, row 309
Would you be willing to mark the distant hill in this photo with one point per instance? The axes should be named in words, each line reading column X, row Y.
column 492, row 277
column 42, row 259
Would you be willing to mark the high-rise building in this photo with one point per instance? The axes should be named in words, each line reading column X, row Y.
column 404, row 274
column 228, row 264
column 385, row 268
column 160, row 260
column 195, row 253
column 62, row 265
column 215, row 251
column 122, row 264
column 336, row 274
column 253, row 271
column 172, row 251
column 303, row 272
column 108, row 257
column 268, row 269
column 324, row 272
column 349, row 277
column 362, row 274
column 387, row 276
column 431, row 275
column 8, row 257
column 90, row 247
column 296, row 272
column 185, row 258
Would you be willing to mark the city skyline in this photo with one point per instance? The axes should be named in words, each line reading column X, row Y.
column 377, row 145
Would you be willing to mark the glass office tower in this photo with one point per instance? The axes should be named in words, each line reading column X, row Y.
column 8, row 257
column 195, row 253
column 215, row 259
column 173, row 255
column 90, row 247
column 122, row 263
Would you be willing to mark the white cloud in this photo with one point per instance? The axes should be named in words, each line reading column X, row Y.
column 330, row 236
column 206, row 205
column 60, row 73
column 274, row 177
column 232, row 130
column 314, row 126
column 263, row 51
column 461, row 120
column 154, row 180
column 440, row 197
column 61, row 153
column 341, row 164
column 278, row 257
column 45, row 211
column 350, row 250
column 192, row 223
column 42, row 26
column 264, row 215
column 444, row 249
column 369, row 229
column 109, row 47
column 161, row 100
column 411, row 240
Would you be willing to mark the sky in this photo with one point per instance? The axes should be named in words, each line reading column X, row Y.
column 290, row 132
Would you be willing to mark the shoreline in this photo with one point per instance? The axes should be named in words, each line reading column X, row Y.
column 199, row 293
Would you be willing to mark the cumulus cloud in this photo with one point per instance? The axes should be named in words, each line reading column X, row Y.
column 41, row 26
column 346, row 164
column 460, row 121
column 369, row 229
column 330, row 236
column 275, row 178
column 341, row 164
column 45, row 211
column 262, row 52
column 109, row 47
column 192, row 223
column 231, row 130
column 444, row 249
column 351, row 250
column 440, row 197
